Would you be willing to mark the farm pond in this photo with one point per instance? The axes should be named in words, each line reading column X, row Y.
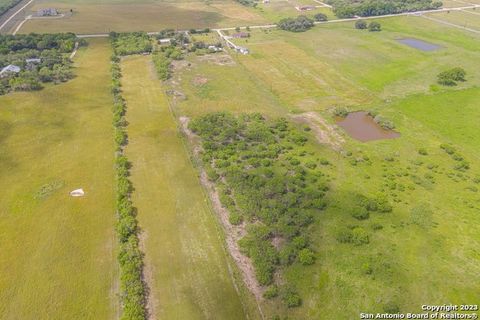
column 361, row 126
column 419, row 44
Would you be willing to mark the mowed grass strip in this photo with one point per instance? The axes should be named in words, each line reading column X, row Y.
column 57, row 258
column 185, row 262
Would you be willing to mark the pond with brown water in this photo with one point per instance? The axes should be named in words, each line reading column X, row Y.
column 361, row 126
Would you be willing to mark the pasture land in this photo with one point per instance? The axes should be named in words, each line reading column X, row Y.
column 187, row 267
column 57, row 253
column 102, row 17
column 279, row 9
column 431, row 234
column 462, row 19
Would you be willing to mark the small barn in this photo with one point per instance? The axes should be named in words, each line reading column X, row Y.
column 9, row 70
column 47, row 12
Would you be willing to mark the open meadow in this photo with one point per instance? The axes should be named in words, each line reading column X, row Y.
column 57, row 253
column 189, row 272
column 145, row 15
column 426, row 247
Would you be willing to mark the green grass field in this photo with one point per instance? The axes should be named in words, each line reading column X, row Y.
column 57, row 253
column 427, row 249
column 187, row 265
column 100, row 16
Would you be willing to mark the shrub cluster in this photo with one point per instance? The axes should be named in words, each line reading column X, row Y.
column 451, row 77
column 461, row 163
column 262, row 182
column 364, row 8
column 131, row 43
column 299, row 24
column 53, row 65
column 130, row 258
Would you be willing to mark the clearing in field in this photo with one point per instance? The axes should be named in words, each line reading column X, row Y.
column 100, row 17
column 188, row 270
column 57, row 252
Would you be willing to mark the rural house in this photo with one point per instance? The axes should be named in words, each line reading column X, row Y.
column 47, row 12
column 242, row 50
column 9, row 70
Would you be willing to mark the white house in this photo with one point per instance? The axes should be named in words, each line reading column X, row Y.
column 8, row 70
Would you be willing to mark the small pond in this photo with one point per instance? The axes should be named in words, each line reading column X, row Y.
column 361, row 126
column 419, row 44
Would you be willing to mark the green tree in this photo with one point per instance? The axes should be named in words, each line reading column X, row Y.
column 374, row 26
column 320, row 17
column 360, row 24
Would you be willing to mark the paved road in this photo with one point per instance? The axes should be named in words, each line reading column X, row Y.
column 8, row 16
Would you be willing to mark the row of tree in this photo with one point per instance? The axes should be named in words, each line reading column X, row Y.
column 133, row 292
column 364, row 8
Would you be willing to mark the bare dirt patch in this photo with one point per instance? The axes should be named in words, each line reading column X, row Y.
column 233, row 233
column 324, row 132
column 218, row 59
column 180, row 64
column 199, row 81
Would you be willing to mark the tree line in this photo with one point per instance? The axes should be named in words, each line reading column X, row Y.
column 363, row 8
column 133, row 290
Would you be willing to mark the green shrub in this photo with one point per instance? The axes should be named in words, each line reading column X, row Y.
column 271, row 292
column 360, row 24
column 422, row 151
column 320, row 17
column 291, row 298
column 360, row 213
column 306, row 257
column 374, row 26
column 359, row 236
column 344, row 235
column 451, row 77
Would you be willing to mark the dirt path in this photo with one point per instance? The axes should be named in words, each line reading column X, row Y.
column 233, row 233
column 324, row 132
